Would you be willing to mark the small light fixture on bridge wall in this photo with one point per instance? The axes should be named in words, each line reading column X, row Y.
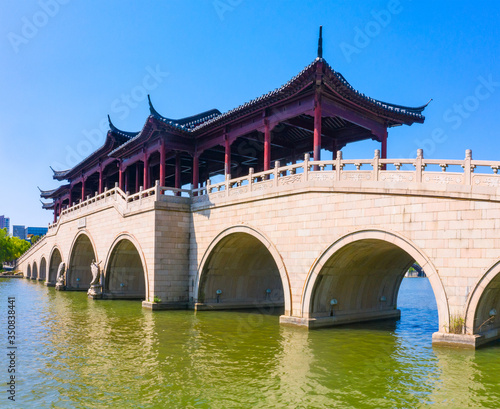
column 77, row 282
column 218, row 292
column 333, row 302
column 383, row 299
column 493, row 312
column 268, row 294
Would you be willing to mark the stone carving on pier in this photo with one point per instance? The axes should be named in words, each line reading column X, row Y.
column 95, row 290
column 60, row 279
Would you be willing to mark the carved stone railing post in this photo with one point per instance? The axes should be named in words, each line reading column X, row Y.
column 338, row 165
column 307, row 157
column 376, row 164
column 468, row 167
column 276, row 173
column 419, row 165
column 228, row 176
column 157, row 189
column 250, row 179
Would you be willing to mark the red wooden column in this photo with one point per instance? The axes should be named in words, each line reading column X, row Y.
column 177, row 170
column 267, row 145
column 146, row 171
column 162, row 163
column 334, row 149
column 383, row 151
column 126, row 180
column 100, row 179
column 227, row 157
column 70, row 198
column 196, row 170
column 317, row 125
column 55, row 212
column 83, row 188
column 120, row 176
column 136, row 177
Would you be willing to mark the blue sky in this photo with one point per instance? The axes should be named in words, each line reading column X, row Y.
column 66, row 64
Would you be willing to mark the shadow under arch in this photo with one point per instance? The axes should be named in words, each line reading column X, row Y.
column 43, row 269
column 259, row 265
column 28, row 271
column 34, row 272
column 363, row 270
column 81, row 255
column 55, row 258
column 483, row 299
column 125, row 271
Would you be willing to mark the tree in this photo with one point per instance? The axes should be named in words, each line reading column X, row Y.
column 3, row 245
column 11, row 248
column 34, row 239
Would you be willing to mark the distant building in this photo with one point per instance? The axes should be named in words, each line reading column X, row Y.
column 35, row 231
column 19, row 231
column 5, row 223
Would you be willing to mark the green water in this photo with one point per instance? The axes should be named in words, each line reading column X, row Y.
column 74, row 352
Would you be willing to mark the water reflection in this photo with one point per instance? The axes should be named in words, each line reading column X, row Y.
column 75, row 352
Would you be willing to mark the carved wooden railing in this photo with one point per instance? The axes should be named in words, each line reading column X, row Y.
column 356, row 170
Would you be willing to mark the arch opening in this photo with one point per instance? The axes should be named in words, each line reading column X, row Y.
column 28, row 271
column 124, row 276
column 486, row 318
column 43, row 269
column 240, row 272
column 78, row 274
column 34, row 272
column 54, row 262
column 358, row 281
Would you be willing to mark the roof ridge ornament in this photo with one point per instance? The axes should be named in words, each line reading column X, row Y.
column 320, row 43
column 152, row 109
column 111, row 126
column 114, row 129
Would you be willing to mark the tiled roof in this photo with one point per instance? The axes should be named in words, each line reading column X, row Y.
column 49, row 194
column 115, row 130
column 188, row 123
column 47, row 206
column 198, row 123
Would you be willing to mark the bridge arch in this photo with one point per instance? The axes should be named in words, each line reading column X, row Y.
column 125, row 271
column 249, row 252
column 55, row 258
column 28, row 271
column 342, row 267
column 81, row 255
column 43, row 269
column 34, row 272
column 484, row 297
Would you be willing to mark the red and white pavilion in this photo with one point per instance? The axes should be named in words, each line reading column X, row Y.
column 316, row 110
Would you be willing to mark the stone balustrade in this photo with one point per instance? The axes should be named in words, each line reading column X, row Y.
column 466, row 172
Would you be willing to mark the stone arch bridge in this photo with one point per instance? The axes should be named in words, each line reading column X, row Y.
column 329, row 241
